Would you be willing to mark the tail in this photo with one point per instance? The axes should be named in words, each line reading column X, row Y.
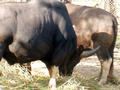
column 115, row 31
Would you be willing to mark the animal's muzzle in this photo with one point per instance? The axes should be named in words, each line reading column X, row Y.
column 14, row 48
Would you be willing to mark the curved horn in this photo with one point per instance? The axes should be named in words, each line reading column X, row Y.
column 89, row 52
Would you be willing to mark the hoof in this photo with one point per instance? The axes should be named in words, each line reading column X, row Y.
column 102, row 82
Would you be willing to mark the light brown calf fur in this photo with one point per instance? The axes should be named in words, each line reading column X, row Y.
column 94, row 27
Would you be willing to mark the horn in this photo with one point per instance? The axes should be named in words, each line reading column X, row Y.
column 89, row 52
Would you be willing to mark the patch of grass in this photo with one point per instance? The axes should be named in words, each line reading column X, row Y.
column 76, row 82
column 114, row 81
column 18, row 78
column 92, row 83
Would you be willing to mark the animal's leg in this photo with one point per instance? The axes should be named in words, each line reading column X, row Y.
column 2, row 48
column 111, row 75
column 112, row 64
column 28, row 66
column 101, row 63
column 111, row 70
column 105, row 71
column 53, row 75
column 106, row 62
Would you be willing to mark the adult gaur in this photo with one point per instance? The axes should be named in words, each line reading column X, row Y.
column 37, row 30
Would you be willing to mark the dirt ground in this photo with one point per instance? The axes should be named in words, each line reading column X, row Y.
column 88, row 67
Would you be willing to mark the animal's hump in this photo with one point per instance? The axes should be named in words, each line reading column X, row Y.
column 58, row 4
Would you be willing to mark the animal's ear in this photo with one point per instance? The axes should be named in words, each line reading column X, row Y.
column 80, row 49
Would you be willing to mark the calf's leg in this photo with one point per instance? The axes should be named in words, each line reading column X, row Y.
column 105, row 67
column 106, row 62
column 112, row 64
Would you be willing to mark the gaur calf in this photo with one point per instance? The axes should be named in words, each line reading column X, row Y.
column 94, row 27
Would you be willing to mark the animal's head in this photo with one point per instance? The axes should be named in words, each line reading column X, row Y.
column 67, row 67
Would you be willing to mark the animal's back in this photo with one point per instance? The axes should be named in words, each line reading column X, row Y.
column 88, row 22
column 43, row 31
